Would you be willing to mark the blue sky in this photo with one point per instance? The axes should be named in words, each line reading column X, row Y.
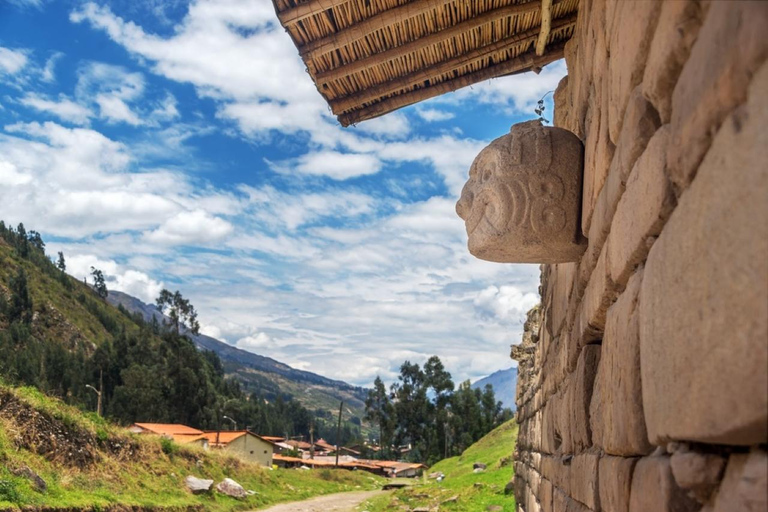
column 182, row 145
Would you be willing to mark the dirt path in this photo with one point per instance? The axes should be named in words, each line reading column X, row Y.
column 341, row 502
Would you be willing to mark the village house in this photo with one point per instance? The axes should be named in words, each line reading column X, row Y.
column 242, row 444
column 180, row 434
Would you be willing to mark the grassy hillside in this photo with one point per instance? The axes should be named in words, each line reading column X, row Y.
column 64, row 336
column 474, row 492
column 88, row 463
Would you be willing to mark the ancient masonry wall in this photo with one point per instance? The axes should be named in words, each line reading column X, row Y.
column 645, row 388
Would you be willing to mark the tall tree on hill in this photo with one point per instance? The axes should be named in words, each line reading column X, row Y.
column 21, row 302
column 440, row 383
column 61, row 264
column 22, row 244
column 179, row 310
column 380, row 411
column 98, row 283
column 412, row 409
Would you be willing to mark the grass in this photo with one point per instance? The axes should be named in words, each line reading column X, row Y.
column 474, row 492
column 151, row 475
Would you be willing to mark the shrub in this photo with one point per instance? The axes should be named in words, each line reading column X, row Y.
column 168, row 446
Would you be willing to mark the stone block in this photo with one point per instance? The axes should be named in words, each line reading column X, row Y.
column 654, row 488
column 598, row 153
column 598, row 297
column 562, row 98
column 615, row 482
column 642, row 210
column 560, row 501
column 634, row 24
column 563, row 276
column 679, row 24
column 578, row 399
column 616, row 412
column 702, row 306
column 640, row 123
column 583, row 480
column 697, row 473
column 730, row 48
column 545, row 495
column 745, row 484
column 521, row 203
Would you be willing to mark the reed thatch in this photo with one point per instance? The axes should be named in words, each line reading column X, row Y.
column 370, row 57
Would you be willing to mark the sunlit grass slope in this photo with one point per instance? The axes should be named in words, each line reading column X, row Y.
column 90, row 464
column 473, row 491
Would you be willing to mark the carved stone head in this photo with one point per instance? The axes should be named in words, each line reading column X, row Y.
column 522, row 202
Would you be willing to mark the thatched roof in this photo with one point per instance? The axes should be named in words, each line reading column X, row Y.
column 370, row 57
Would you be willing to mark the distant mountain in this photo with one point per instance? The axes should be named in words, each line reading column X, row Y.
column 504, row 383
column 262, row 373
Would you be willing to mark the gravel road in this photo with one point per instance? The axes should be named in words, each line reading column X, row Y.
column 341, row 502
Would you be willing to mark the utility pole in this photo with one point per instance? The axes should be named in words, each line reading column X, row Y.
column 312, row 439
column 98, row 392
column 338, row 434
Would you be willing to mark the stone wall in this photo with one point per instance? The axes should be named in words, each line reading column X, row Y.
column 645, row 388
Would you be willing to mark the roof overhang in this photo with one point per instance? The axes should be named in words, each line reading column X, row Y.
column 370, row 57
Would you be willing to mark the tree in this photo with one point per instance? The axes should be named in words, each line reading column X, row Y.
column 98, row 283
column 61, row 264
column 21, row 302
column 439, row 381
column 412, row 408
column 36, row 240
column 380, row 411
column 179, row 310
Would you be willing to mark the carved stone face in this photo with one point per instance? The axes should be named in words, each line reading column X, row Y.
column 523, row 198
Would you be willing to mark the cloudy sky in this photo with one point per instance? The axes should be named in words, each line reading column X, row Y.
column 182, row 145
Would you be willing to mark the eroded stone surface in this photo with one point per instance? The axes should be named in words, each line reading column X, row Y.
column 521, row 203
column 702, row 306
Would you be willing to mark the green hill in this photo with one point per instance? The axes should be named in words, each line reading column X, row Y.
column 473, row 492
column 88, row 463
column 59, row 335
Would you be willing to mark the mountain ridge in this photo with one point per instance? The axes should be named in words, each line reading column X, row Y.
column 257, row 371
column 504, row 383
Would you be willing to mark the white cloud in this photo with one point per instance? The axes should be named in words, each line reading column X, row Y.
column 258, row 341
column 27, row 3
column 432, row 115
column 338, row 166
column 76, row 182
column 117, row 277
column 12, row 61
column 63, row 108
column 191, row 228
column 111, row 89
column 49, row 71
column 518, row 93
column 507, row 303
column 10, row 176
column 277, row 209
column 116, row 110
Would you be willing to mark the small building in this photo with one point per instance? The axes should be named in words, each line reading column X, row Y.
column 242, row 444
column 182, row 434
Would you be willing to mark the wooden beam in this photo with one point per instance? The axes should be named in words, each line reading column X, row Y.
column 305, row 10
column 347, row 103
column 349, row 35
column 546, row 25
column 416, row 44
column 518, row 64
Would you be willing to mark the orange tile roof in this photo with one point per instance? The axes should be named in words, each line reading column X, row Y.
column 227, row 436
column 184, row 438
column 169, row 429
column 274, row 439
column 224, row 437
